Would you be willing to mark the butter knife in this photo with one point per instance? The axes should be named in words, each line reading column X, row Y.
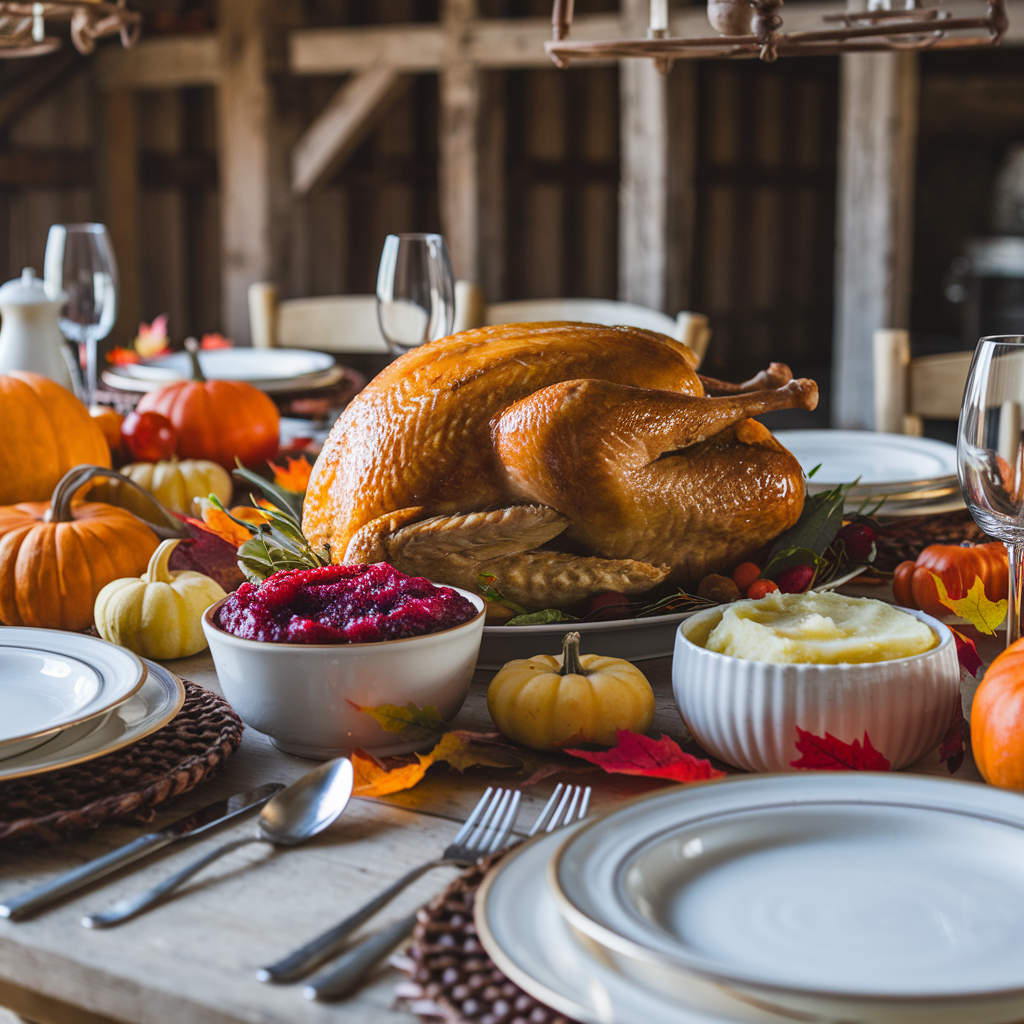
column 193, row 824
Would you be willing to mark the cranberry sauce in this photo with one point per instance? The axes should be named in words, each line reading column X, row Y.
column 347, row 604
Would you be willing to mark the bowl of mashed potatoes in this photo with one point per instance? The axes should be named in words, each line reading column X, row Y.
column 749, row 677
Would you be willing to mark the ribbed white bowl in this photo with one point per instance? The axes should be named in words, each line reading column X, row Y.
column 746, row 713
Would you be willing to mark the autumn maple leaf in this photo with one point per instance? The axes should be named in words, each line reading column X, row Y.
column 831, row 754
column 635, row 754
column 966, row 652
column 215, row 339
column 295, row 477
column 985, row 615
column 221, row 524
column 152, row 338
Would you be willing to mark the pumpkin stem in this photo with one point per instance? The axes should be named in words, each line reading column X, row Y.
column 157, row 571
column 571, row 664
column 192, row 347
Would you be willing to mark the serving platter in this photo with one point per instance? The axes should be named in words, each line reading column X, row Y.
column 151, row 707
column 50, row 680
column 520, row 927
column 633, row 639
column 846, row 896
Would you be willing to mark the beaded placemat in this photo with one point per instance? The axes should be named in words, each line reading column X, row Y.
column 128, row 784
column 450, row 974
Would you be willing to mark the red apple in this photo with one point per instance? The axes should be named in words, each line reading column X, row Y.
column 149, row 436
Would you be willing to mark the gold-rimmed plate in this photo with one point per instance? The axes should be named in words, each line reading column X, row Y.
column 156, row 702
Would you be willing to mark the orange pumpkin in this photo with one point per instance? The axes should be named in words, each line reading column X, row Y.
column 46, row 431
column 218, row 419
column 957, row 565
column 109, row 421
column 997, row 720
column 56, row 557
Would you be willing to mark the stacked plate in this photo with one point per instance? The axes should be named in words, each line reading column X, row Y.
column 911, row 476
column 269, row 369
column 883, row 899
column 67, row 698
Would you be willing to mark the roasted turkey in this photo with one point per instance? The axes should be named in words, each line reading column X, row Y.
column 563, row 458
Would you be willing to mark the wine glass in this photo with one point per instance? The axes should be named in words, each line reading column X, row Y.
column 80, row 262
column 415, row 291
column 990, row 455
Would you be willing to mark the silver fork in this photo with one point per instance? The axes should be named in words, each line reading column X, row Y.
column 484, row 832
column 564, row 805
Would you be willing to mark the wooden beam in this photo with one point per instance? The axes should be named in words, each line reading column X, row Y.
column 874, row 230
column 459, row 170
column 342, row 125
column 24, row 92
column 175, row 62
column 681, row 229
column 487, row 43
column 244, row 157
column 119, row 203
column 644, row 184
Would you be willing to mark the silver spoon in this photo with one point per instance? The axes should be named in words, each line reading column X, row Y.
column 296, row 814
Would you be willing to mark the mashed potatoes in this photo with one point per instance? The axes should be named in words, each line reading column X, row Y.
column 825, row 628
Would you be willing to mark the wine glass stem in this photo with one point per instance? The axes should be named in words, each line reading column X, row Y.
column 91, row 344
column 1013, row 607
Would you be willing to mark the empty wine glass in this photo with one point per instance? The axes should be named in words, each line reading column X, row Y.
column 415, row 291
column 80, row 262
column 990, row 455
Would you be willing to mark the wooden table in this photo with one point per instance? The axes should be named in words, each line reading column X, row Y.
column 193, row 958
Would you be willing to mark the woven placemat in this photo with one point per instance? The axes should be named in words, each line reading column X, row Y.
column 128, row 784
column 450, row 974
column 900, row 540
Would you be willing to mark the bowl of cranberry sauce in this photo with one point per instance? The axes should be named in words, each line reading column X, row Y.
column 308, row 655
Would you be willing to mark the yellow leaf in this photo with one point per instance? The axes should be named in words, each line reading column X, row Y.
column 373, row 779
column 416, row 723
column 249, row 514
column 461, row 750
column 985, row 615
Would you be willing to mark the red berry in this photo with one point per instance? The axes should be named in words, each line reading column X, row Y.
column 796, row 579
column 857, row 539
column 149, row 436
column 760, row 588
column 744, row 575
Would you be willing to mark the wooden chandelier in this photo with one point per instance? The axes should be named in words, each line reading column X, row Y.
column 23, row 25
column 752, row 28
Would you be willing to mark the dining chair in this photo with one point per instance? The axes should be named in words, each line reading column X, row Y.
column 908, row 391
column 691, row 329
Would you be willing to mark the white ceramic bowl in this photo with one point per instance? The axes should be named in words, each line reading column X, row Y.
column 746, row 712
column 306, row 697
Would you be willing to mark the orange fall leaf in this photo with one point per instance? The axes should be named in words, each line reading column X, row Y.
column 220, row 523
column 294, row 477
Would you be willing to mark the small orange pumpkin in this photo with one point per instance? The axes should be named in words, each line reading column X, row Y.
column 997, row 720
column 218, row 420
column 55, row 558
column 46, row 431
column 957, row 565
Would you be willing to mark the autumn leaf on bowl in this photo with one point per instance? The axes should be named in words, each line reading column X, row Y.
column 410, row 722
column 831, row 754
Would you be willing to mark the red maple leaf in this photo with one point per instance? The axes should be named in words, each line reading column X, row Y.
column 208, row 553
column 966, row 653
column 656, row 759
column 830, row 754
column 954, row 743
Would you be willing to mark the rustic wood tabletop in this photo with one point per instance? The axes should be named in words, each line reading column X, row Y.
column 193, row 958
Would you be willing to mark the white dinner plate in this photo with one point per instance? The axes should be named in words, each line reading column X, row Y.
column 632, row 639
column 521, row 929
column 851, row 896
column 307, row 382
column 156, row 702
column 252, row 365
column 845, row 455
column 50, row 680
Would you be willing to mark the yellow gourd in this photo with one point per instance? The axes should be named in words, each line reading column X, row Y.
column 549, row 703
column 158, row 615
column 174, row 484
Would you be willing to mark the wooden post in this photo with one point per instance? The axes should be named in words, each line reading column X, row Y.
column 459, row 171
column 877, row 136
column 119, row 204
column 245, row 185
column 682, row 186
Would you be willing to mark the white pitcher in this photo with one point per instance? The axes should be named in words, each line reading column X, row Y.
column 29, row 336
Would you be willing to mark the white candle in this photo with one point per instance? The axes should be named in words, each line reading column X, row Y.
column 659, row 15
